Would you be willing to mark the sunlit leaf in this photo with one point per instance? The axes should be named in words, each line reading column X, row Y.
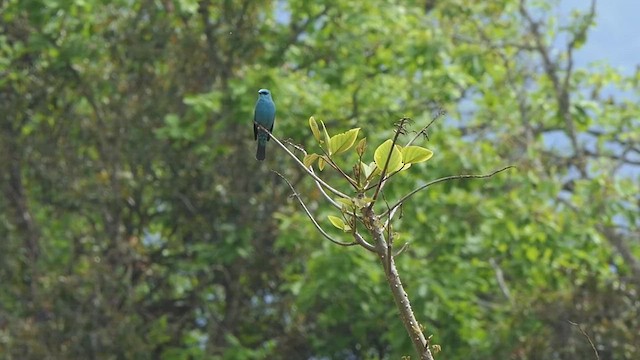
column 385, row 151
column 309, row 159
column 347, row 202
column 313, row 124
column 327, row 138
column 415, row 154
column 343, row 141
column 337, row 222
column 367, row 169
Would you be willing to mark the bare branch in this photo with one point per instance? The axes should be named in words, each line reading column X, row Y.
column 561, row 88
column 338, row 169
column 313, row 220
column 311, row 173
column 404, row 247
column 622, row 158
column 392, row 213
column 580, row 34
column 446, row 178
column 439, row 114
column 620, row 243
column 324, row 193
column 593, row 346
column 383, row 180
column 364, row 242
column 500, row 278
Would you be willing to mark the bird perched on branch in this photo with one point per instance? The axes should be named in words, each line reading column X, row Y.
column 265, row 115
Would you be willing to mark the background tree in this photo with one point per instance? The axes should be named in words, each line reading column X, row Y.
column 136, row 223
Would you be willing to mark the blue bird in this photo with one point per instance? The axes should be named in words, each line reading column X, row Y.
column 265, row 115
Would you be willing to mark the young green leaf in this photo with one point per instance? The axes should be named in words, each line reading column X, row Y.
column 370, row 170
column 346, row 202
column 383, row 152
column 415, row 154
column 327, row 138
column 339, row 223
column 366, row 170
column 362, row 202
column 313, row 124
column 309, row 159
column 321, row 163
column 343, row 142
column 376, row 170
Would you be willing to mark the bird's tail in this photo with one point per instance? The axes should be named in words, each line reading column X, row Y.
column 260, row 153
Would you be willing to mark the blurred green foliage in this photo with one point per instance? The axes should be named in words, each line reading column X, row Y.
column 135, row 222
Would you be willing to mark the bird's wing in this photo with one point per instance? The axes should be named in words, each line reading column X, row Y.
column 255, row 128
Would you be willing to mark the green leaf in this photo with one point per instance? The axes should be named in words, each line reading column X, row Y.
column 383, row 152
column 347, row 202
column 337, row 222
column 370, row 170
column 532, row 253
column 361, row 202
column 376, row 170
column 415, row 154
column 309, row 159
column 366, row 169
column 327, row 138
column 321, row 162
column 313, row 124
column 343, row 142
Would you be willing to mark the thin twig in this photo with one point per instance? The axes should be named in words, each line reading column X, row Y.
column 335, row 166
column 389, row 235
column 392, row 213
column 593, row 346
column 383, row 180
column 424, row 129
column 446, row 178
column 500, row 278
column 318, row 185
column 311, row 173
column 404, row 247
column 560, row 86
column 313, row 220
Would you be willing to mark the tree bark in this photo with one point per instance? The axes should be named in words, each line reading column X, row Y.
column 400, row 296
